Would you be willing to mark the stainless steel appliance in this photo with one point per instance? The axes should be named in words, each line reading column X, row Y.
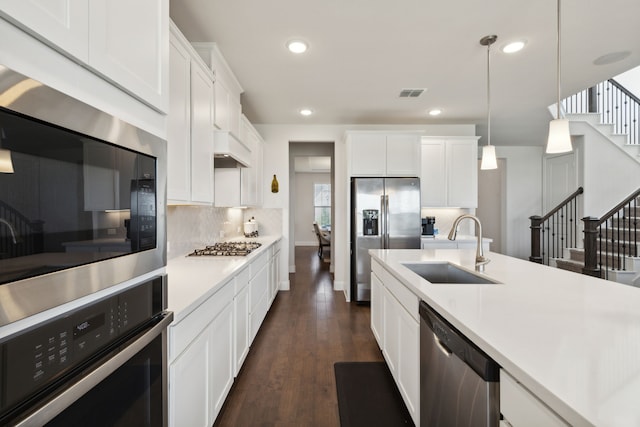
column 385, row 214
column 227, row 249
column 84, row 208
column 101, row 364
column 459, row 383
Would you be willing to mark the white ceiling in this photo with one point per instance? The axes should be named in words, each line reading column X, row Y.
column 363, row 52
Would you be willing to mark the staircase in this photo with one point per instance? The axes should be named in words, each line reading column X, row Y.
column 615, row 246
column 611, row 244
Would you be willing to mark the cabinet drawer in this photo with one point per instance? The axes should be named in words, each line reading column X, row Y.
column 404, row 296
column 183, row 333
column 521, row 408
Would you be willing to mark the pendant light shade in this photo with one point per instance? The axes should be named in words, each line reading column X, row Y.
column 489, row 158
column 6, row 165
column 488, row 151
column 559, row 140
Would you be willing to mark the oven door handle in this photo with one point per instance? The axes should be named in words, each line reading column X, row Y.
column 59, row 403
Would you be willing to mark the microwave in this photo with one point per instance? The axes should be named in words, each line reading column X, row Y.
column 82, row 199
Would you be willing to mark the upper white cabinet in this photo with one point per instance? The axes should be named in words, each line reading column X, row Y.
column 189, row 126
column 449, row 176
column 125, row 42
column 62, row 23
column 251, row 177
column 384, row 153
column 227, row 89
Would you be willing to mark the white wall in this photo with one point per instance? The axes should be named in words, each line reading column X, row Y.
column 276, row 160
column 304, row 211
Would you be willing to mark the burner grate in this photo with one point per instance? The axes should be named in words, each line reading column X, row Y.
column 227, row 249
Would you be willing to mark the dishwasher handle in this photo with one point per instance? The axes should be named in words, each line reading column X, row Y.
column 453, row 340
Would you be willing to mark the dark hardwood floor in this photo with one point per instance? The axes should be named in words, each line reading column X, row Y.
column 288, row 378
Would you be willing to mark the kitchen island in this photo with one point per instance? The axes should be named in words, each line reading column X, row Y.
column 570, row 341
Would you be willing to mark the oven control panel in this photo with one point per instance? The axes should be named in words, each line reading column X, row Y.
column 37, row 357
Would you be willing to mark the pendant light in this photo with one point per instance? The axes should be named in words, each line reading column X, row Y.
column 488, row 151
column 6, row 165
column 559, row 137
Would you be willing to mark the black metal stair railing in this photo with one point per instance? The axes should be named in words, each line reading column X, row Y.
column 615, row 104
column 608, row 241
column 556, row 231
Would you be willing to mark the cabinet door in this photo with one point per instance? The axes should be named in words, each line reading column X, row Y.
column 403, row 155
column 201, row 134
column 222, row 106
column 61, row 23
column 408, row 377
column 462, row 173
column 179, row 124
column 221, row 352
column 129, row 44
column 249, row 175
column 259, row 303
column 368, row 154
column 433, row 177
column 241, row 327
column 390, row 318
column 189, row 386
column 376, row 309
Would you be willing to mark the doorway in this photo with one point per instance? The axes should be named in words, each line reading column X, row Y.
column 311, row 176
column 491, row 203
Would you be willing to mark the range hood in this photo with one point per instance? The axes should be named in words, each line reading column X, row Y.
column 229, row 151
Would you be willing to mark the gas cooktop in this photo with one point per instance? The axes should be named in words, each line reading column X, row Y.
column 227, row 249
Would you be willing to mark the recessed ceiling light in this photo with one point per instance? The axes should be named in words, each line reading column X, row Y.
column 306, row 112
column 435, row 112
column 514, row 47
column 297, row 46
column 612, row 57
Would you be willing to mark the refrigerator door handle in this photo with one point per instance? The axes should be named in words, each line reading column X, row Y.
column 382, row 224
column 386, row 221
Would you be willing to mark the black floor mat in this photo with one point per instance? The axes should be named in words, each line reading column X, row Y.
column 368, row 396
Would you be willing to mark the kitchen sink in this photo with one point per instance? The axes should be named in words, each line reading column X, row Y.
column 444, row 272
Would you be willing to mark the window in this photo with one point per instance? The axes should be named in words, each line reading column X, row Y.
column 322, row 204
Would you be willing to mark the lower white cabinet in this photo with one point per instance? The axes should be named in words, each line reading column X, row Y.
column 241, row 316
column 274, row 271
column 520, row 408
column 201, row 376
column 259, row 295
column 394, row 321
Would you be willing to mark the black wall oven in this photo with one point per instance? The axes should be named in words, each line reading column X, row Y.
column 101, row 364
column 82, row 199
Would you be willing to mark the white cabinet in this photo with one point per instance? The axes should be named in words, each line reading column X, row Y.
column 520, row 408
column 395, row 324
column 128, row 43
column 61, row 23
column 189, row 377
column 258, row 293
column 227, row 89
column 189, row 126
column 201, row 360
column 376, row 309
column 274, row 271
column 99, row 34
column 251, row 177
column 241, row 316
column 384, row 154
column 449, row 172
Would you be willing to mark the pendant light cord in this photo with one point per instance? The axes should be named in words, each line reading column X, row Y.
column 558, row 59
column 488, row 94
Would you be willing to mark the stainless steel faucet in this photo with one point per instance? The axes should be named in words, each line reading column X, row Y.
column 11, row 230
column 480, row 258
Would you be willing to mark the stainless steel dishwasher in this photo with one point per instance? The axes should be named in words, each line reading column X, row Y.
column 459, row 383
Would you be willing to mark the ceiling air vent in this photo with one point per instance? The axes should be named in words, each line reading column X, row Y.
column 411, row 93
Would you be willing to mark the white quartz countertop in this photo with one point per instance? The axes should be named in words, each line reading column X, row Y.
column 460, row 237
column 191, row 280
column 571, row 339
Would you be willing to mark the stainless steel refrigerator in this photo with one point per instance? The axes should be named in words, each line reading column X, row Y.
column 385, row 214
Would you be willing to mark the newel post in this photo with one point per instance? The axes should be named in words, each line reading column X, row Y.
column 591, row 247
column 536, row 230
